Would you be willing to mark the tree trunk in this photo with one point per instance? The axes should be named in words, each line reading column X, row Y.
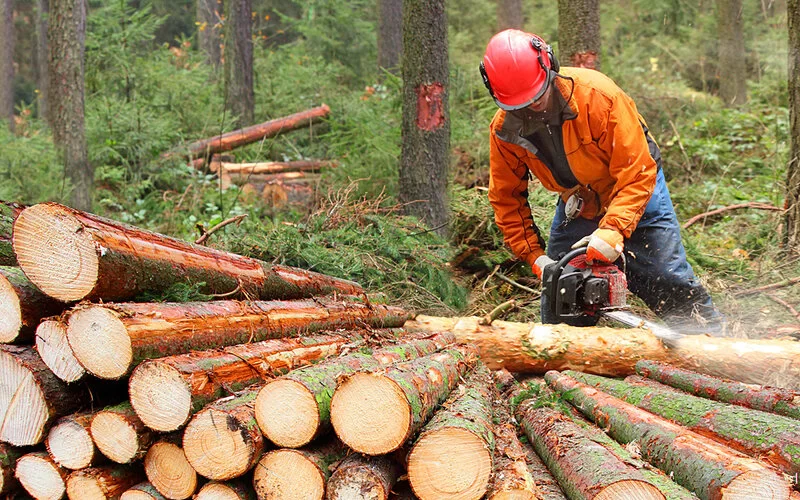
column 732, row 68
column 166, row 392
column 70, row 442
column 7, row 62
column 100, row 483
column 42, row 84
column 8, row 464
column 22, row 306
column 363, row 477
column 93, row 258
column 377, row 412
column 52, row 346
column 708, row 469
column 452, row 458
column 66, row 32
column 511, row 478
column 510, row 15
column 287, row 473
column 295, row 409
column 142, row 491
column 209, row 19
column 231, row 490
column 769, row 399
column 792, row 203
column 579, row 33
column 426, row 117
column 773, row 438
column 41, row 477
column 111, row 340
column 239, row 95
column 121, row 435
column 168, row 470
column 390, row 35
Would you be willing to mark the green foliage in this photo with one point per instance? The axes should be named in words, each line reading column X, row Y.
column 29, row 170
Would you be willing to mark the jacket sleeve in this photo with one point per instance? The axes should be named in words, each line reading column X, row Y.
column 508, row 194
column 630, row 166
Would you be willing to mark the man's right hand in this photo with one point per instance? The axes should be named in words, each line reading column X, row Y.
column 540, row 265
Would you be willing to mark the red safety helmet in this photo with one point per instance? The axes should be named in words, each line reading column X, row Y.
column 515, row 69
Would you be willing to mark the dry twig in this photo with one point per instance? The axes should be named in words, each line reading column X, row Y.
column 233, row 220
column 753, row 204
column 765, row 288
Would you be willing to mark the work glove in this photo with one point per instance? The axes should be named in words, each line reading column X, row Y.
column 540, row 264
column 603, row 245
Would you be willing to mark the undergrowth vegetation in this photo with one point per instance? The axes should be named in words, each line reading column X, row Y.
column 149, row 91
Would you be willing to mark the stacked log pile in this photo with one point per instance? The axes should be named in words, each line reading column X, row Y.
column 304, row 388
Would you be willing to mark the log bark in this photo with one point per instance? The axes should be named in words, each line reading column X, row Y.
column 231, row 490
column 8, row 463
column 31, row 397
column 453, row 455
column 101, row 483
column 270, row 167
column 288, row 474
column 223, row 441
column 41, row 477
column 22, row 306
column 166, row 392
column 295, row 409
column 771, row 399
column 142, row 491
column 8, row 212
column 708, row 469
column 511, row 478
column 89, row 257
column 168, row 470
column 772, row 438
column 376, row 412
column 363, row 477
column 542, row 477
column 54, row 349
column 110, row 340
column 70, row 442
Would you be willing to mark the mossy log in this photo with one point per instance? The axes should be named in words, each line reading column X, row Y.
column 289, row 474
column 453, row 455
column 8, row 212
column 142, row 491
column 41, row 477
column 52, row 346
column 363, row 477
column 110, row 340
column 168, row 470
column 101, row 483
column 376, row 412
column 22, row 306
column 72, row 255
column 223, row 440
column 542, row 477
column 8, row 462
column 70, row 442
column 511, row 478
column 772, row 438
column 705, row 467
column 229, row 490
column 166, row 392
column 294, row 409
column 772, row 399
column 120, row 434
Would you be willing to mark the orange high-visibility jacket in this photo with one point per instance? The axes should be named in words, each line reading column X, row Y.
column 607, row 151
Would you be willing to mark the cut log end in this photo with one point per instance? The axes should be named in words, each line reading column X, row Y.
column 764, row 483
column 217, row 491
column 23, row 409
column 84, row 487
column 216, row 446
column 134, row 494
column 115, row 437
column 631, row 490
column 71, row 445
column 436, row 473
column 52, row 345
column 356, row 483
column 371, row 414
column 54, row 251
column 40, row 477
column 100, row 342
column 287, row 413
column 287, row 474
column 160, row 396
column 169, row 472
column 10, row 312
column 513, row 495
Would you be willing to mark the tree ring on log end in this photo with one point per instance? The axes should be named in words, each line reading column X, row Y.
column 765, row 483
column 115, row 437
column 160, row 396
column 370, row 414
column 40, row 477
column 84, row 487
column 287, row 474
column 52, row 345
column 23, row 409
column 55, row 252
column 287, row 413
column 10, row 311
column 216, row 446
column 100, row 342
column 449, row 463
column 136, row 495
column 216, row 491
column 169, row 472
column 70, row 445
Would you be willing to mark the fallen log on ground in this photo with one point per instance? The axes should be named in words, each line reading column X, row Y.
column 167, row 469
column 41, row 477
column 110, row 340
column 103, row 483
column 376, row 412
column 289, row 474
column 120, row 434
column 22, row 306
column 774, row 439
column 70, row 442
column 230, row 490
column 284, row 179
column 511, row 478
column 363, row 477
column 708, row 469
column 269, row 167
column 52, row 346
column 93, row 258
column 771, row 399
column 8, row 462
column 166, row 392
column 142, row 491
column 453, row 455
column 294, row 409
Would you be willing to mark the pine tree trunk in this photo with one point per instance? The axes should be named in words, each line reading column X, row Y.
column 363, row 477
column 239, row 95
column 579, row 33
column 390, row 35
column 7, row 37
column 231, row 490
column 209, row 19
column 511, row 478
column 425, row 152
column 510, row 15
column 93, row 258
column 377, row 412
column 732, row 68
column 22, row 306
column 54, row 349
column 42, row 98
column 8, row 464
column 708, row 469
column 302, row 473
column 142, row 491
column 41, row 477
column 295, row 409
column 792, row 203
column 70, row 442
column 168, row 470
column 121, row 435
column 99, row 483
column 769, row 399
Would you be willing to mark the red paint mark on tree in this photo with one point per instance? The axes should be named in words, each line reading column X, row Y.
column 430, row 106
column 584, row 60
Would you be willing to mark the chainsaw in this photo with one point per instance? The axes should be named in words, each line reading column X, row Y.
column 578, row 289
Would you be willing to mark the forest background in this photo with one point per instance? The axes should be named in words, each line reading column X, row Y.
column 149, row 89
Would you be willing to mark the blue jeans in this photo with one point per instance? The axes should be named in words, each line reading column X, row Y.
column 656, row 266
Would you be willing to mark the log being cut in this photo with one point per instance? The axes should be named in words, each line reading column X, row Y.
column 70, row 442
column 363, row 477
column 22, row 306
column 41, row 477
column 289, row 474
column 110, row 340
column 72, row 255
